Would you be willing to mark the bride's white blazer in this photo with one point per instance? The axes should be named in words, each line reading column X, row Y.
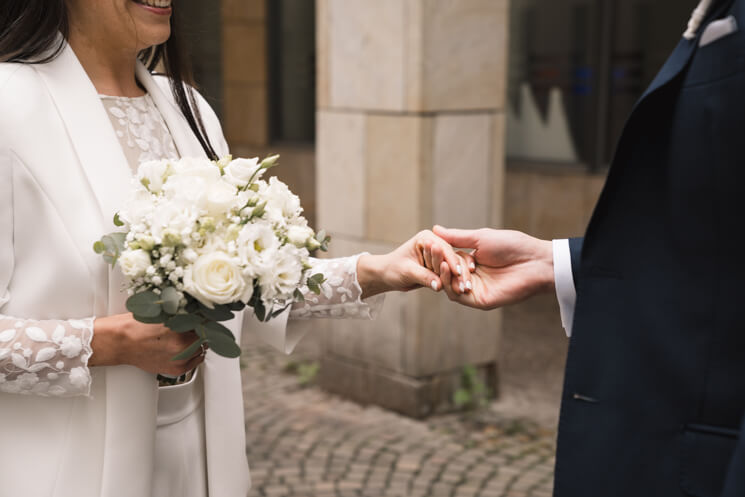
column 62, row 177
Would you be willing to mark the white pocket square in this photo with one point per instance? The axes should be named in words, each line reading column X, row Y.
column 718, row 29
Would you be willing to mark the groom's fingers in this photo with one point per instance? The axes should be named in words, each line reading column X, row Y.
column 447, row 282
column 458, row 238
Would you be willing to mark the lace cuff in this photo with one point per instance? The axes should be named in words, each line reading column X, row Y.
column 341, row 295
column 47, row 358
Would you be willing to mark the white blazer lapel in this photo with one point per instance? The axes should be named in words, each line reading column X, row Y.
column 131, row 394
column 90, row 131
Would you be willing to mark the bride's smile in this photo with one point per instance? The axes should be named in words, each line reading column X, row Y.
column 160, row 7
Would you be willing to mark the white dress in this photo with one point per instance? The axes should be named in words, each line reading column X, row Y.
column 50, row 357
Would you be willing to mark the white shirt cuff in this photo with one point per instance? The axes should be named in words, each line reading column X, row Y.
column 564, row 281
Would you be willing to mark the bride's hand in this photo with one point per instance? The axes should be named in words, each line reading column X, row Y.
column 415, row 264
column 120, row 339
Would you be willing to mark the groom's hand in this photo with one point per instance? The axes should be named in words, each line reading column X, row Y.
column 510, row 266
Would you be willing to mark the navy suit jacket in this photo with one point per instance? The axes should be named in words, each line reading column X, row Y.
column 654, row 392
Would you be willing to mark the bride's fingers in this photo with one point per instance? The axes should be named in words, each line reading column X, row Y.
column 468, row 258
column 447, row 282
column 446, row 253
column 437, row 258
column 464, row 282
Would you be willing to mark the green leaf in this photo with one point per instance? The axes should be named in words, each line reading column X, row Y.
column 260, row 310
column 119, row 239
column 170, row 300
column 237, row 306
column 160, row 318
column 117, row 220
column 145, row 304
column 277, row 313
column 223, row 345
column 321, row 236
column 189, row 351
column 213, row 327
column 298, row 295
column 99, row 247
column 181, row 323
column 461, row 398
column 219, row 313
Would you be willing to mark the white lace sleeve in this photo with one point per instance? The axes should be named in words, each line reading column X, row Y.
column 341, row 295
column 47, row 358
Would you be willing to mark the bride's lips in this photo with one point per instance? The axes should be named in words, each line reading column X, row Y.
column 160, row 7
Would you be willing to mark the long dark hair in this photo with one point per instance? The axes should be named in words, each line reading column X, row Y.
column 29, row 34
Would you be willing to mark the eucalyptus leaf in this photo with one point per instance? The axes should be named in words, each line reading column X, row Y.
column 260, row 310
column 277, row 312
column 223, row 345
column 171, row 299
column 236, row 306
column 219, row 313
column 181, row 323
column 117, row 220
column 99, row 247
column 119, row 239
column 213, row 327
column 189, row 351
column 145, row 304
column 160, row 318
column 298, row 295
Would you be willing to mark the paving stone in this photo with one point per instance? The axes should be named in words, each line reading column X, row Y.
column 304, row 442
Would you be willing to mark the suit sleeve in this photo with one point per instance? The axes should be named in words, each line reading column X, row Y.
column 575, row 251
column 48, row 357
column 734, row 485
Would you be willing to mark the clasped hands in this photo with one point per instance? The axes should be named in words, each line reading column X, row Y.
column 491, row 269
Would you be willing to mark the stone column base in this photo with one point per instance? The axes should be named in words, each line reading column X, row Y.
column 413, row 397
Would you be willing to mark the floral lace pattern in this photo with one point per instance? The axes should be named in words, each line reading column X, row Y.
column 140, row 127
column 341, row 295
column 47, row 358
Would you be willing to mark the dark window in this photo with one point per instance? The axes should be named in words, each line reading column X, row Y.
column 292, row 68
column 577, row 67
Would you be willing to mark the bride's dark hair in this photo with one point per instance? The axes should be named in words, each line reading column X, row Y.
column 29, row 33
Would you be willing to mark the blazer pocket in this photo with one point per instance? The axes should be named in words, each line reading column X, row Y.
column 705, row 456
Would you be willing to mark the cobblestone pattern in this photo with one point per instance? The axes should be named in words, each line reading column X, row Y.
column 305, row 442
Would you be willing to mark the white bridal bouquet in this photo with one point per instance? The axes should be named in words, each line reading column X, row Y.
column 206, row 238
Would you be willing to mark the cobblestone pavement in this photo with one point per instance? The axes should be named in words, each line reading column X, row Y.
column 302, row 441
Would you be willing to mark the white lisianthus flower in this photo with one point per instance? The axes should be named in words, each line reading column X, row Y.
column 153, row 174
column 282, row 277
column 256, row 245
column 221, row 198
column 215, row 278
column 282, row 204
column 240, row 171
column 299, row 235
column 134, row 263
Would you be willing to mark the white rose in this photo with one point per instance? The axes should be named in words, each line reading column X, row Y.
column 201, row 168
column 298, row 235
column 215, row 278
column 240, row 171
column 153, row 174
column 221, row 198
column 134, row 263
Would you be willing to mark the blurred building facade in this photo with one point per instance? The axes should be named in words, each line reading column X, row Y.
column 393, row 115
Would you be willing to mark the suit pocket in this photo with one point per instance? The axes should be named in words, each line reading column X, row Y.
column 706, row 453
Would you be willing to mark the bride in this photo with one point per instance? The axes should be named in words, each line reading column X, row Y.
column 81, row 412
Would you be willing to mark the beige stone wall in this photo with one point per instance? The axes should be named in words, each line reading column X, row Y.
column 410, row 133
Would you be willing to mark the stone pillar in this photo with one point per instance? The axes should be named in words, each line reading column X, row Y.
column 410, row 133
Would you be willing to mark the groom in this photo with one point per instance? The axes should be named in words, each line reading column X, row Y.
column 654, row 393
